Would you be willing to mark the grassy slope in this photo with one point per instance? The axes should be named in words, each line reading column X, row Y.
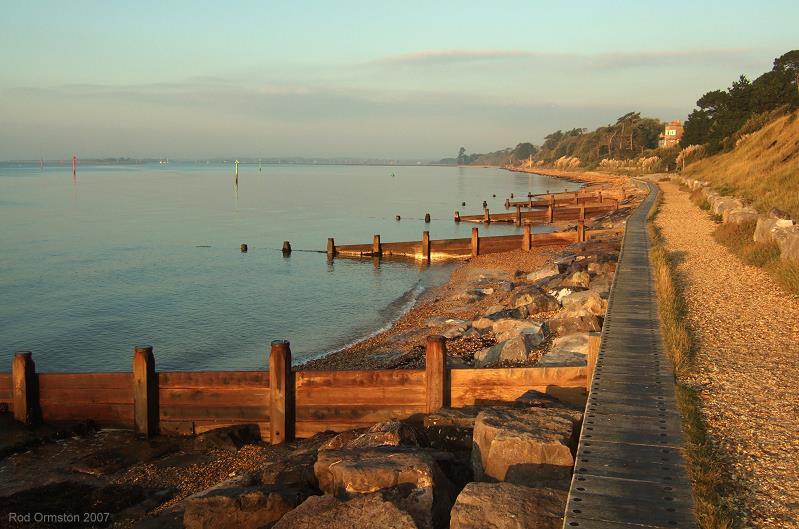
column 764, row 168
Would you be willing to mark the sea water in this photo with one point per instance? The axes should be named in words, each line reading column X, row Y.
column 121, row 256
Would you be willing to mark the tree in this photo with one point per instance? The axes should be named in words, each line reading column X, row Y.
column 461, row 158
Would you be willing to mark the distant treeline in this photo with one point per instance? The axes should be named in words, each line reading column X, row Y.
column 720, row 119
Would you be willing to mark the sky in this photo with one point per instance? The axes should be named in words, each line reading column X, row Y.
column 398, row 80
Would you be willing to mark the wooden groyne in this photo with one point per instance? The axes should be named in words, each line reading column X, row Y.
column 284, row 403
column 546, row 215
column 629, row 468
column 429, row 249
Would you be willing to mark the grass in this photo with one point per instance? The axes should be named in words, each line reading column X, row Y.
column 764, row 168
column 739, row 239
column 699, row 199
column 714, row 493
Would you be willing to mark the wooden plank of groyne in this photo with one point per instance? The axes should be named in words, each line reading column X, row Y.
column 193, row 402
column 485, row 386
column 5, row 389
column 629, row 468
column 105, row 398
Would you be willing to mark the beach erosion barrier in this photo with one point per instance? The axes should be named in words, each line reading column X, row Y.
column 283, row 402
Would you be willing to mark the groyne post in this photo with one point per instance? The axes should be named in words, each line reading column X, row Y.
column 286, row 248
column 427, row 218
column 377, row 249
column 550, row 214
column 145, row 392
column 457, row 216
column 599, row 194
column 530, row 202
column 507, row 203
column 435, row 373
column 426, row 245
column 243, row 248
column 475, row 243
column 486, row 216
column 331, row 247
column 25, row 392
column 581, row 225
column 594, row 340
column 281, row 393
column 527, row 238
column 518, row 215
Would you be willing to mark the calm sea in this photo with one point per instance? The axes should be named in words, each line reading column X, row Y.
column 134, row 255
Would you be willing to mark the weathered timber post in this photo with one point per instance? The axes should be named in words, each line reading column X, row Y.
column 527, row 238
column 427, row 218
column 331, row 247
column 581, row 215
column 426, row 245
column 594, row 339
column 281, row 393
column 475, row 243
column 145, row 392
column 600, row 196
column 530, row 202
column 286, row 247
column 377, row 248
column 25, row 391
column 243, row 248
column 486, row 216
column 457, row 216
column 435, row 373
column 507, row 203
column 581, row 230
column 550, row 214
column 518, row 215
column 576, row 197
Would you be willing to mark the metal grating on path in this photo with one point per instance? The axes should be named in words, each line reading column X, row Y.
column 629, row 470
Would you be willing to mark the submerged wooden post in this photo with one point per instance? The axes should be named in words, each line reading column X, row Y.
column 426, row 245
column 594, row 339
column 518, row 215
column 486, row 216
column 475, row 243
column 507, row 203
column 427, row 218
column 377, row 249
column 457, row 216
column 527, row 238
column 281, row 393
column 331, row 247
column 243, row 248
column 25, row 393
column 145, row 392
column 286, row 247
column 435, row 373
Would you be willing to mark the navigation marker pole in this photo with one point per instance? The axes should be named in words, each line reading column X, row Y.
column 74, row 164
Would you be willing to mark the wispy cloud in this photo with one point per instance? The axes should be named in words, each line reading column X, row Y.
column 602, row 61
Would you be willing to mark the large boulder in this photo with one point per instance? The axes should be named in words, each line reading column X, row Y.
column 534, row 300
column 578, row 279
column 766, row 228
column 366, row 511
column 545, row 272
column 508, row 506
column 585, row 302
column 412, row 479
column 450, row 428
column 532, row 446
column 387, row 433
column 740, row 215
column 506, row 329
column 788, row 241
column 719, row 205
column 573, row 343
column 514, row 350
column 243, row 508
column 569, row 322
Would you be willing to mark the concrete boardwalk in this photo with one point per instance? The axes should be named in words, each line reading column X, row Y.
column 629, row 469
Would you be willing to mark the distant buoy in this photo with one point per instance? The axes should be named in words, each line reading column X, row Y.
column 243, row 248
column 397, row 217
column 463, row 203
column 494, row 196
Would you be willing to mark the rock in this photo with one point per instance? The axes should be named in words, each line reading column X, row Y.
column 564, row 262
column 412, row 479
column 767, row 227
column 455, row 328
column 578, row 279
column 585, row 302
column 508, row 506
column 504, row 314
column 530, row 446
column 560, row 293
column 366, row 511
column 295, row 470
column 482, row 323
column 740, row 215
column 436, row 321
column 450, row 428
column 721, row 204
column 513, row 350
column 573, row 343
column 788, row 241
column 242, row 508
column 601, row 268
column 507, row 329
column 601, row 284
column 229, row 438
column 570, row 323
column 775, row 213
column 562, row 359
column 506, row 286
column 541, row 273
column 387, row 433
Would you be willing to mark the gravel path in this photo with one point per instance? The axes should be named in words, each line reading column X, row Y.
column 746, row 333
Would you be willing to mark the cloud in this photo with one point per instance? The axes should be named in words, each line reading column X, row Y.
column 602, row 61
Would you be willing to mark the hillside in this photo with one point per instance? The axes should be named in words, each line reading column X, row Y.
column 763, row 167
